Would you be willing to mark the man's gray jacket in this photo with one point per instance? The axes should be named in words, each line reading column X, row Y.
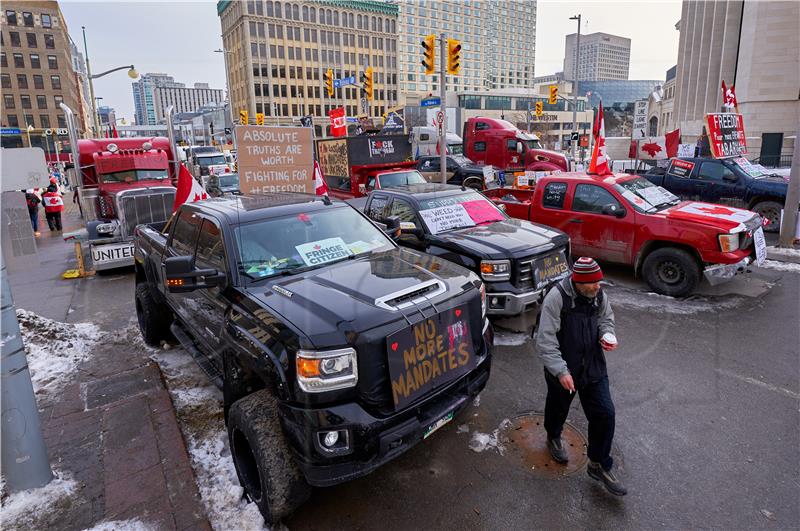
column 550, row 323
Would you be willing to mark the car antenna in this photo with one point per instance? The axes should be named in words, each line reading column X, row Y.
column 326, row 200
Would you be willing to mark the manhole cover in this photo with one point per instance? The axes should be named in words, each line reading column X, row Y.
column 527, row 444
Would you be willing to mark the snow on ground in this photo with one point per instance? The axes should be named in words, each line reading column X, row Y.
column 23, row 510
column 791, row 267
column 122, row 525
column 198, row 405
column 55, row 349
column 664, row 304
column 785, row 251
column 509, row 339
column 480, row 442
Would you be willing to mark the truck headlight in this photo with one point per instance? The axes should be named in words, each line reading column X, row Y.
column 106, row 228
column 483, row 299
column 320, row 371
column 496, row 269
column 729, row 242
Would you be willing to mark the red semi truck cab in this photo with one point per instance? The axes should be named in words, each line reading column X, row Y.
column 628, row 220
column 123, row 182
column 490, row 141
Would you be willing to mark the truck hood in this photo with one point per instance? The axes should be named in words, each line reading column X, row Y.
column 725, row 218
column 511, row 238
column 332, row 305
column 772, row 183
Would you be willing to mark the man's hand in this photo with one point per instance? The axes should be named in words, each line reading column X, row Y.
column 566, row 382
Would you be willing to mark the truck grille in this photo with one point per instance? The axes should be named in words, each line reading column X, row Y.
column 524, row 276
column 144, row 206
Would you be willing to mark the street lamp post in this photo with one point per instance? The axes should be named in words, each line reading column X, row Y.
column 575, row 87
column 227, row 82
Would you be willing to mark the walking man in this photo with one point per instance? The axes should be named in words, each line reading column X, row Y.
column 53, row 206
column 576, row 326
column 33, row 201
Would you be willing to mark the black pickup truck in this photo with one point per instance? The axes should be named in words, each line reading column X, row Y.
column 731, row 182
column 460, row 171
column 517, row 259
column 336, row 350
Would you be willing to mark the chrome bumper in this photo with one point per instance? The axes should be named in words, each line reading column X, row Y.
column 717, row 274
column 514, row 304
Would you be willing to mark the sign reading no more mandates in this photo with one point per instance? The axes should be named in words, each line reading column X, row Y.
column 275, row 159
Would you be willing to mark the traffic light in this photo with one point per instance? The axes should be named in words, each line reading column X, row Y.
column 259, row 118
column 429, row 53
column 453, row 56
column 368, row 83
column 553, row 95
column 243, row 118
column 539, row 108
column 329, row 82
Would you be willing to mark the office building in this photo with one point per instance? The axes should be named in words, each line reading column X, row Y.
column 602, row 56
column 106, row 115
column 154, row 93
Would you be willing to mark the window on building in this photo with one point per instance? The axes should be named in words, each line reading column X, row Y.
column 46, row 21
column 58, row 100
column 12, row 120
column 19, row 62
column 3, row 60
column 278, row 10
column 25, row 101
column 29, row 120
column 5, row 82
column 52, row 62
column 15, row 42
column 31, row 37
column 35, row 63
column 22, row 81
column 27, row 19
column 45, row 121
column 41, row 102
column 49, row 42
column 56, row 82
column 11, row 17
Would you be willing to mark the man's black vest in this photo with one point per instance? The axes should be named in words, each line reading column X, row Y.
column 579, row 337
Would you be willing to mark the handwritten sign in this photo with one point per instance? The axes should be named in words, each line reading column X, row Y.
column 428, row 354
column 275, row 159
column 482, row 211
column 446, row 218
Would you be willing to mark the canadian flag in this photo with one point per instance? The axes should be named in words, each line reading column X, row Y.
column 320, row 186
column 338, row 122
column 660, row 147
column 189, row 190
column 729, row 97
column 599, row 162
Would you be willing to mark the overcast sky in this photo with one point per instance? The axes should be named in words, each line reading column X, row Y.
column 179, row 38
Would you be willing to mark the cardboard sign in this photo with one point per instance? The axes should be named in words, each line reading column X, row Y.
column 686, row 150
column 726, row 135
column 428, row 354
column 761, row 245
column 446, row 217
column 323, row 251
column 482, row 211
column 275, row 159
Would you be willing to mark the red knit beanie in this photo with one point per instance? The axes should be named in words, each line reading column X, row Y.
column 586, row 270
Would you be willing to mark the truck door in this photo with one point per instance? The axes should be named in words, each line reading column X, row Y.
column 182, row 242
column 210, row 304
column 550, row 210
column 600, row 234
column 719, row 184
column 679, row 179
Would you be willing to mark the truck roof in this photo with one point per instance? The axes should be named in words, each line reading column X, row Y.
column 425, row 191
column 246, row 208
column 579, row 176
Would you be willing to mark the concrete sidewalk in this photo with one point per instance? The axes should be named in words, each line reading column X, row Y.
column 113, row 427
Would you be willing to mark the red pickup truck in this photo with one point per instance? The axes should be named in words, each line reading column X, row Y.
column 628, row 220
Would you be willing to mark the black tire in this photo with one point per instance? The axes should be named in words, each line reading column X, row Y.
column 476, row 183
column 770, row 210
column 671, row 271
column 154, row 318
column 264, row 463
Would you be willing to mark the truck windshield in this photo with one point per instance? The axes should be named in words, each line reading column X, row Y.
column 442, row 214
column 644, row 196
column 209, row 161
column 306, row 240
column 455, row 149
column 399, row 178
column 132, row 176
column 228, row 180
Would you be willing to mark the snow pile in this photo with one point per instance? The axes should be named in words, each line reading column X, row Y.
column 25, row 509
column 791, row 267
column 122, row 525
column 480, row 442
column 55, row 349
column 665, row 304
column 510, row 339
column 198, row 404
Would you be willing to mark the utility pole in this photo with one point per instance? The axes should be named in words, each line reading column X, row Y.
column 790, row 213
column 575, row 87
column 24, row 455
column 95, row 122
column 443, row 107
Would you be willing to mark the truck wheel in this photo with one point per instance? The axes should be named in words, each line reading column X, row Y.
column 475, row 183
column 671, row 271
column 770, row 210
column 154, row 318
column 264, row 464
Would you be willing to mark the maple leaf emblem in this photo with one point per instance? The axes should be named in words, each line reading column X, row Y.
column 317, row 247
column 196, row 197
column 651, row 149
column 717, row 210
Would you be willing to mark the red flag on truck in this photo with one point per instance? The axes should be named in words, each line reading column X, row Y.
column 338, row 122
column 189, row 190
column 320, row 186
column 599, row 162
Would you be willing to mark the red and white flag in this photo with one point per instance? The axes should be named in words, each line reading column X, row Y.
column 189, row 190
column 660, row 147
column 599, row 163
column 338, row 122
column 729, row 102
column 320, row 186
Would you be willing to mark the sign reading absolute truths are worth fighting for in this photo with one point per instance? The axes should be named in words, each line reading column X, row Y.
column 275, row 159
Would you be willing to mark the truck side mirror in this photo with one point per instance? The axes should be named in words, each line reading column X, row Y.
column 614, row 210
column 392, row 224
column 519, row 147
column 182, row 276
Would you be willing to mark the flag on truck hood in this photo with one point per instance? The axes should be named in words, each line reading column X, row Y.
column 660, row 147
column 189, row 190
column 320, row 186
column 599, row 162
column 729, row 218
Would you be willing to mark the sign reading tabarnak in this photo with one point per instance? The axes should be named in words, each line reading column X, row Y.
column 275, row 159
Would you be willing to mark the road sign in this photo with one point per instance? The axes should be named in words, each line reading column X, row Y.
column 440, row 118
column 640, row 119
column 431, row 102
column 339, row 83
column 574, row 135
column 9, row 131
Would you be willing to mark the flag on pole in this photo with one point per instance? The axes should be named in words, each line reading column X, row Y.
column 599, row 162
column 189, row 190
column 729, row 102
column 320, row 186
column 114, row 131
column 660, row 147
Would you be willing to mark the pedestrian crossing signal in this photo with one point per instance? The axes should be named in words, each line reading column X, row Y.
column 259, row 118
column 329, row 82
column 243, row 118
column 553, row 95
column 367, row 83
column 429, row 53
column 539, row 108
column 453, row 56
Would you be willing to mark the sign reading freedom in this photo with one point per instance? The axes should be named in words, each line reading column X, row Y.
column 274, row 159
column 428, row 354
column 726, row 135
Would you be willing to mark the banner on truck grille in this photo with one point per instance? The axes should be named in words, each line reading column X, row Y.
column 275, row 159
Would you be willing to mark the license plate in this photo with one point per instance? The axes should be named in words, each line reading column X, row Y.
column 550, row 268
column 438, row 424
column 761, row 245
column 113, row 252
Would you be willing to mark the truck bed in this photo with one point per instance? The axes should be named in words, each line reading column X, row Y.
column 516, row 202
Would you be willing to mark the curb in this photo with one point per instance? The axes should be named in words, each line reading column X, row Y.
column 782, row 254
